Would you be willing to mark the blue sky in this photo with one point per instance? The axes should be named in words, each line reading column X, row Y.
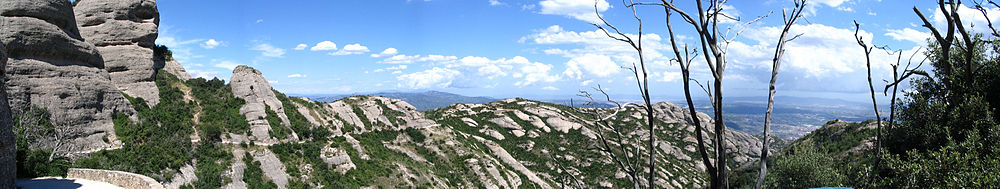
column 535, row 49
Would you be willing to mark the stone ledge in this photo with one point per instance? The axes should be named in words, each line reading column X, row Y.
column 123, row 179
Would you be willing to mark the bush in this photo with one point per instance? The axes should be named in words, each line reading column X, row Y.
column 803, row 167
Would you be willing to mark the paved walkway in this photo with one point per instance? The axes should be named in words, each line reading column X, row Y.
column 59, row 183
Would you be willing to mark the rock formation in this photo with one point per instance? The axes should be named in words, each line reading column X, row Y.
column 8, row 170
column 51, row 66
column 174, row 67
column 124, row 32
column 248, row 84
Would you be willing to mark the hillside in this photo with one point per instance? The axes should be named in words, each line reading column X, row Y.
column 427, row 100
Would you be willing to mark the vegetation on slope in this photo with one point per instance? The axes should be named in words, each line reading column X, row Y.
column 159, row 141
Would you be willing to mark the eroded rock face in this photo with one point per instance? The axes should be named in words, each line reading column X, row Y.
column 8, row 170
column 174, row 67
column 248, row 84
column 50, row 66
column 124, row 32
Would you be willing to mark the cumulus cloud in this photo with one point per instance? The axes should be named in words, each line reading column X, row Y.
column 210, row 44
column 432, row 78
column 823, row 54
column 297, row 76
column 351, row 49
column 577, row 9
column 595, row 42
column 495, row 3
column 590, row 64
column 907, row 34
column 386, row 52
column 324, row 46
column 268, row 50
column 301, row 47
column 973, row 18
column 535, row 72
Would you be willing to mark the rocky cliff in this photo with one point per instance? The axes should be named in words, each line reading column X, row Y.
column 248, row 84
column 8, row 170
column 174, row 67
column 51, row 66
column 124, row 32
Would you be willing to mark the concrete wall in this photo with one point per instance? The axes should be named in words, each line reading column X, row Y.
column 123, row 179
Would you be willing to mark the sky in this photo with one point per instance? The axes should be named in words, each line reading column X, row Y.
column 536, row 49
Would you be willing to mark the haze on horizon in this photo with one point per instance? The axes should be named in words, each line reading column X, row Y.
column 501, row 49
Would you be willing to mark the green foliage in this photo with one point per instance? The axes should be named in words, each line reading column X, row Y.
column 415, row 135
column 157, row 141
column 220, row 110
column 803, row 167
column 253, row 176
column 277, row 130
column 212, row 162
column 298, row 122
column 30, row 127
column 160, row 52
column 837, row 137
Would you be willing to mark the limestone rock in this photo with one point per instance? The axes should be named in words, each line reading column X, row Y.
column 124, row 32
column 175, row 68
column 248, row 84
column 50, row 66
column 8, row 170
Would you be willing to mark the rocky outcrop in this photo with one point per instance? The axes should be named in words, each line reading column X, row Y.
column 248, row 84
column 51, row 66
column 8, row 170
column 175, row 68
column 124, row 179
column 124, row 32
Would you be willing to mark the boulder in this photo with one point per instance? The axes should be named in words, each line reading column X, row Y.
column 124, row 32
column 50, row 66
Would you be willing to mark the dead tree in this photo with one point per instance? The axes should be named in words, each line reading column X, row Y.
column 642, row 81
column 868, row 51
column 779, row 50
column 608, row 135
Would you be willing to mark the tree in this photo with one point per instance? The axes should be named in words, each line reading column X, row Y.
column 779, row 50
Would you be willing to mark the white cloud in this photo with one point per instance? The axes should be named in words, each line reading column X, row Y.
column 831, row 3
column 404, row 59
column 351, row 49
column 227, row 64
column 324, row 46
column 432, row 78
column 297, row 76
column 495, row 3
column 907, row 34
column 535, row 72
column 668, row 76
column 301, row 47
column 578, row 9
column 823, row 54
column 397, row 68
column 587, row 82
column 386, row 52
column 259, row 20
column 971, row 16
column 268, row 50
column 210, row 44
column 203, row 74
column 591, row 64
column 550, row 88
column 595, row 42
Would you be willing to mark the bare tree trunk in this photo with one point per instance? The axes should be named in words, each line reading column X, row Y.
column 779, row 50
